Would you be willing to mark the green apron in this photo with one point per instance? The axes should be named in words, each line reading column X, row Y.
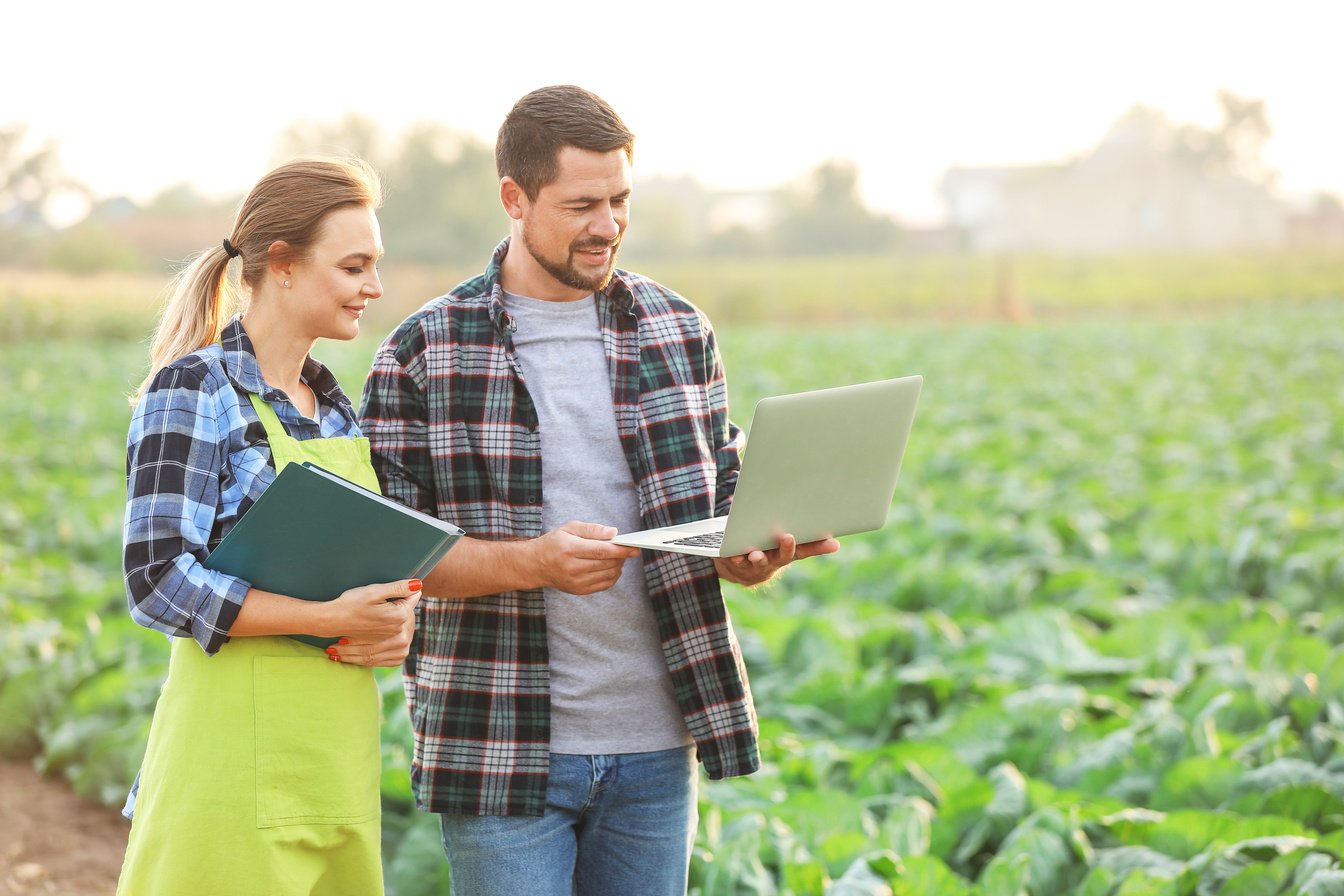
column 262, row 771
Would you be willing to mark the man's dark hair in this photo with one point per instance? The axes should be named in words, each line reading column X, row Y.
column 540, row 124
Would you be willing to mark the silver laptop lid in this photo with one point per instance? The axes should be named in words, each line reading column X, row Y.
column 821, row 463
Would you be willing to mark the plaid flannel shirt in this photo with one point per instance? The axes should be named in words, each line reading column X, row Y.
column 454, row 434
column 196, row 459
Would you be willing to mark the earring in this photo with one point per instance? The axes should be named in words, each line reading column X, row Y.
column 286, row 284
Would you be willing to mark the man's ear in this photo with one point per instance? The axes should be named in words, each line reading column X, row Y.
column 512, row 197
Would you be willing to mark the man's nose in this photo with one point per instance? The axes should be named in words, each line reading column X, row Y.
column 605, row 224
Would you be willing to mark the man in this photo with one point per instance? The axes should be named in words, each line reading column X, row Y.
column 561, row 687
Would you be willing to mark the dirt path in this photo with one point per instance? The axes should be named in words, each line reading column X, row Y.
column 52, row 843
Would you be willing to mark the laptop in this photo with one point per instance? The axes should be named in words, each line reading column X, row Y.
column 817, row 464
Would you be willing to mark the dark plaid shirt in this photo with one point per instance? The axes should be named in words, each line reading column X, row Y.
column 454, row 433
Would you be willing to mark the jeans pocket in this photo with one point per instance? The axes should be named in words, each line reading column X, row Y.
column 318, row 760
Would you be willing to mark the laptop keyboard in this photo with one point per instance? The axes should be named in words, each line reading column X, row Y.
column 708, row 540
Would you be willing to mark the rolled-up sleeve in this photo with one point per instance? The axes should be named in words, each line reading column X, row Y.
column 176, row 449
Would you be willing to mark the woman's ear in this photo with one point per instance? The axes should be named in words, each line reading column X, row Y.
column 280, row 261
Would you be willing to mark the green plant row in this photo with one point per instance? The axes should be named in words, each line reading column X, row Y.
column 1096, row 650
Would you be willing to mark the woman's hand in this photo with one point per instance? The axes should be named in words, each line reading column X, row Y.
column 375, row 622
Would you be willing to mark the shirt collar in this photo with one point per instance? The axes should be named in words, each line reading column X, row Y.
column 617, row 292
column 240, row 361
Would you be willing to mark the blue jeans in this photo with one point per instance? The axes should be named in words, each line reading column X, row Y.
column 613, row 826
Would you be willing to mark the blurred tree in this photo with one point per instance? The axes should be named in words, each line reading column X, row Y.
column 660, row 228
column 737, row 241
column 27, row 180
column 177, row 199
column 354, row 134
column 1238, row 142
column 826, row 215
column 30, row 182
column 442, row 203
column 439, row 204
column 1233, row 146
column 666, row 219
column 174, row 225
column 90, row 247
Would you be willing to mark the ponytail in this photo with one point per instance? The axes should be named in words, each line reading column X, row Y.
column 200, row 300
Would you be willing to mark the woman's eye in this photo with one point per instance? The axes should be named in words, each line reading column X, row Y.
column 354, row 270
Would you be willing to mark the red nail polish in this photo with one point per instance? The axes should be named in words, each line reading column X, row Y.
column 334, row 658
column 343, row 642
column 331, row 648
column 415, row 585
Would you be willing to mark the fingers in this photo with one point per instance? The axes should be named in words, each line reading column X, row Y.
column 595, row 531
column 370, row 658
column 370, row 597
column 382, row 613
column 416, row 590
column 817, row 548
column 587, row 576
column 579, row 558
column 777, row 557
column 334, row 650
column 407, row 589
column 374, row 652
column 756, row 567
column 595, row 541
column 589, row 530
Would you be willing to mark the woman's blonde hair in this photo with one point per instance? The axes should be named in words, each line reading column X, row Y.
column 289, row 206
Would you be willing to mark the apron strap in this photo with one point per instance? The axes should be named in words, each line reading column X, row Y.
column 285, row 449
column 270, row 420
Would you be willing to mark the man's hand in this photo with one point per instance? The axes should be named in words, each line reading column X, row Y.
column 758, row 567
column 579, row 558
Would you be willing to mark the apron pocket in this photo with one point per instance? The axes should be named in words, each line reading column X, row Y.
column 318, row 759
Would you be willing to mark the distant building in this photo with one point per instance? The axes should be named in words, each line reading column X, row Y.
column 1129, row 193
column 1317, row 223
column 708, row 210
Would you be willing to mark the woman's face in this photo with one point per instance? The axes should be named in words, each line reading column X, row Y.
column 339, row 278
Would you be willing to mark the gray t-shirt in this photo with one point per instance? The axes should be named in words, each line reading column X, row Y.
column 610, row 688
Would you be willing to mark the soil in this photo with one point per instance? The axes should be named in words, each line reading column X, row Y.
column 52, row 843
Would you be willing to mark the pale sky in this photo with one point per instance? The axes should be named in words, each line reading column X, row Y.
column 147, row 93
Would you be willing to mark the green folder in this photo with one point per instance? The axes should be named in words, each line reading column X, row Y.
column 313, row 535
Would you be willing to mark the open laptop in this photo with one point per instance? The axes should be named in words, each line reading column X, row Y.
column 817, row 464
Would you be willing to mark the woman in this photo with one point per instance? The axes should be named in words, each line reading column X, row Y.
column 261, row 773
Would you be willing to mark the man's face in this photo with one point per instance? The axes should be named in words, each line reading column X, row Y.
column 572, row 229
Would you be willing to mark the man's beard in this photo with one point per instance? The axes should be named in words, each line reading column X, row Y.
column 568, row 274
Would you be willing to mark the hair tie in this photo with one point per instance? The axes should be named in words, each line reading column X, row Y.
column 231, row 249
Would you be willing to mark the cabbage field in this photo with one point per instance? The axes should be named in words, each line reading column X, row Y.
column 1095, row 651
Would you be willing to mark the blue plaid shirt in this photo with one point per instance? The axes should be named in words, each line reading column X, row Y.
column 197, row 458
